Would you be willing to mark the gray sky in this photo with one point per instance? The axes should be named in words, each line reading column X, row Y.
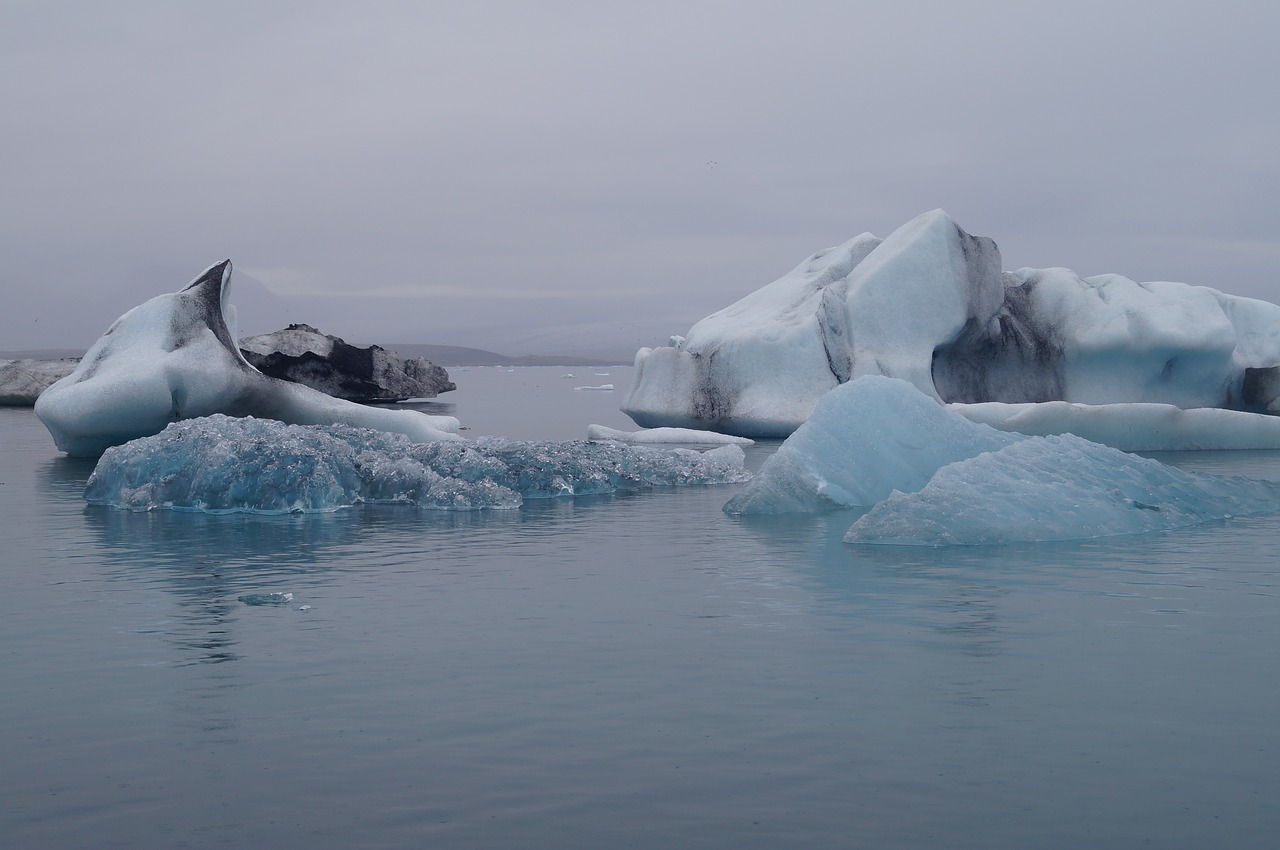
column 560, row 175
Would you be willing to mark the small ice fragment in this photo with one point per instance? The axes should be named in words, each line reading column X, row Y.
column 266, row 598
column 661, row 436
column 304, row 607
column 603, row 387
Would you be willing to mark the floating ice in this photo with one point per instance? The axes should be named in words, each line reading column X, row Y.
column 601, row 388
column 22, row 381
column 1056, row 488
column 1135, row 427
column 221, row 464
column 866, row 439
column 324, row 362
column 930, row 305
column 666, row 436
column 267, row 599
column 175, row 357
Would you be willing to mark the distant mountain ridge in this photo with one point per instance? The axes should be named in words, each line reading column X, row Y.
column 458, row 355
column 441, row 355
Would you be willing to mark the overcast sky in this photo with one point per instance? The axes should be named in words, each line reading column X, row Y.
column 554, row 175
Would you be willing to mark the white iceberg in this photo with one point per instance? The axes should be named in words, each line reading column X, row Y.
column 866, row 439
column 930, row 305
column 666, row 436
column 175, row 357
column 1056, row 488
column 220, row 464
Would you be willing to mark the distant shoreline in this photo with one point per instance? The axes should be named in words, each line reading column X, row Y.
column 441, row 355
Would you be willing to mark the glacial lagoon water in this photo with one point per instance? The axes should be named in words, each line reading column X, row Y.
column 636, row 670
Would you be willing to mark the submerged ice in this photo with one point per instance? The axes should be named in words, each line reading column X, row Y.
column 222, row 464
column 1057, row 488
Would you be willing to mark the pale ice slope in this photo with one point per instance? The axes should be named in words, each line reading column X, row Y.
column 864, row 440
column 665, row 436
column 757, row 367
column 1056, row 488
column 221, row 464
column 929, row 305
column 175, row 357
column 1136, row 427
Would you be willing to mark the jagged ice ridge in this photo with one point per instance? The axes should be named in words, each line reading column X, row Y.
column 221, row 464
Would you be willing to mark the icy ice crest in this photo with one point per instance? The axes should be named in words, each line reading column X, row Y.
column 221, row 464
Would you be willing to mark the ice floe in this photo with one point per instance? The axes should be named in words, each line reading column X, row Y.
column 220, row 464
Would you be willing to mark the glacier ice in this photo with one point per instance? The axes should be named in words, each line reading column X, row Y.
column 1056, row 488
column 221, row 464
column 864, row 440
column 665, row 436
column 930, row 305
column 1135, row 427
column 175, row 357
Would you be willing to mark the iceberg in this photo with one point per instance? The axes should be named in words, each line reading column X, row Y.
column 173, row 358
column 665, row 436
column 1057, row 488
column 22, row 381
column 864, row 440
column 327, row 363
column 221, row 464
column 931, row 306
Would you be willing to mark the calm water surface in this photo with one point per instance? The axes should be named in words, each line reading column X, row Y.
column 629, row 671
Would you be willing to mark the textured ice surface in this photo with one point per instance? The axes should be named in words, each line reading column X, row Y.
column 222, row 464
column 174, row 357
column 665, row 436
column 1135, row 427
column 1056, row 488
column 866, row 439
column 930, row 305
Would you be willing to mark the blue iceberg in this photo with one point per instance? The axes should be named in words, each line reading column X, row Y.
column 221, row 464
column 1057, row 488
column 864, row 440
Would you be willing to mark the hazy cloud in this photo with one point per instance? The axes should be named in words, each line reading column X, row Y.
column 495, row 172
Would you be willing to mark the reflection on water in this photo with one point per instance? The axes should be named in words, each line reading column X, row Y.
column 635, row 669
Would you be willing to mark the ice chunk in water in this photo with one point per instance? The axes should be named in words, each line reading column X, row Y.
column 864, row 440
column 665, row 436
column 222, row 464
column 1057, row 488
column 266, row 598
